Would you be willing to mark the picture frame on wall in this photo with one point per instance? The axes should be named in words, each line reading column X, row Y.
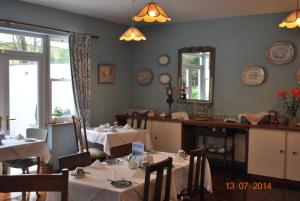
column 106, row 73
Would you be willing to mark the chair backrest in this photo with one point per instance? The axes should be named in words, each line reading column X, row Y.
column 159, row 169
column 38, row 133
column 81, row 140
column 29, row 182
column 139, row 117
column 121, row 150
column 197, row 176
column 75, row 160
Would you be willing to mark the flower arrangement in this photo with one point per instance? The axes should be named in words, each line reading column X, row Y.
column 291, row 100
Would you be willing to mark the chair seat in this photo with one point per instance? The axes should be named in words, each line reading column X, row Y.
column 97, row 154
column 21, row 163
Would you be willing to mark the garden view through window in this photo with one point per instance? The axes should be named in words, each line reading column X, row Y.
column 59, row 90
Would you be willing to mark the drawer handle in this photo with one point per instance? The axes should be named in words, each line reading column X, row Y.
column 155, row 137
column 281, row 151
column 294, row 153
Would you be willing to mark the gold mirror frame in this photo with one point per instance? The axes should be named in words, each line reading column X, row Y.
column 211, row 76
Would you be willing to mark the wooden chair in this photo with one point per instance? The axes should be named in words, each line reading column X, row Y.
column 194, row 178
column 25, row 163
column 120, row 151
column 82, row 143
column 75, row 160
column 159, row 169
column 139, row 117
column 51, row 182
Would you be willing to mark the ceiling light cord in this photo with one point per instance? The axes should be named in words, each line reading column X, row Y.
column 297, row 4
column 132, row 10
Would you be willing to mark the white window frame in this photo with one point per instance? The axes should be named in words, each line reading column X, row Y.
column 45, row 84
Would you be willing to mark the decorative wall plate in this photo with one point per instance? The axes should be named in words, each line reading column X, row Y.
column 164, row 59
column 165, row 78
column 280, row 53
column 253, row 75
column 144, row 77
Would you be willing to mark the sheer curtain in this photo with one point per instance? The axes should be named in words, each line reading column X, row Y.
column 80, row 61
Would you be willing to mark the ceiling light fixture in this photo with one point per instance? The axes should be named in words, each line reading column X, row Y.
column 132, row 33
column 292, row 20
column 152, row 12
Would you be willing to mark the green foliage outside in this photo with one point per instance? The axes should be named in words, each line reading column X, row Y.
column 57, row 55
column 59, row 112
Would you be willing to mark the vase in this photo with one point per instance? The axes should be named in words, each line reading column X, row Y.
column 292, row 121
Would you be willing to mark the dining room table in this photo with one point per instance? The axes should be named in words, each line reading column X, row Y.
column 12, row 148
column 98, row 182
column 110, row 138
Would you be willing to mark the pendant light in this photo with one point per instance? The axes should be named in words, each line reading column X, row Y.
column 132, row 33
column 292, row 20
column 152, row 12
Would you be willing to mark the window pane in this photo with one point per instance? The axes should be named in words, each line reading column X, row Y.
column 22, row 43
column 60, row 74
column 23, row 95
column 59, row 60
column 62, row 99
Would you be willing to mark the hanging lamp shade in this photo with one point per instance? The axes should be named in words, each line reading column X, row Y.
column 152, row 12
column 292, row 20
column 132, row 33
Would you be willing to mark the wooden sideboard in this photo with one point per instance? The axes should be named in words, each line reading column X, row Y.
column 264, row 146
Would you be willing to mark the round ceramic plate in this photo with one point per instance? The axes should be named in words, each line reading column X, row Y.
column 280, row 53
column 121, row 183
column 79, row 176
column 165, row 78
column 253, row 75
column 144, row 77
column 163, row 59
column 30, row 139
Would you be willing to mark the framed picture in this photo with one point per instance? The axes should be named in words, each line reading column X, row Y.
column 106, row 74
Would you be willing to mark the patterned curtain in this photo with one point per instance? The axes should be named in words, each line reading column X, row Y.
column 81, row 73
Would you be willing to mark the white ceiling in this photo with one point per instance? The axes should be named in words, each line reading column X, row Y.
column 119, row 11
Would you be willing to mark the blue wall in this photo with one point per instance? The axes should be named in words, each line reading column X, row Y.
column 239, row 42
column 107, row 49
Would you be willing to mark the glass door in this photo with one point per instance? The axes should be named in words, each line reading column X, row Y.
column 19, row 104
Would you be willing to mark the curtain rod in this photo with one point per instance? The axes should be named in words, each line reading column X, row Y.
column 39, row 26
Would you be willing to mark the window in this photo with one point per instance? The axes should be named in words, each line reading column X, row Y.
column 62, row 100
column 18, row 42
column 24, row 54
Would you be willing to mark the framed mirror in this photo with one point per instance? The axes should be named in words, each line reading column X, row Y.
column 196, row 74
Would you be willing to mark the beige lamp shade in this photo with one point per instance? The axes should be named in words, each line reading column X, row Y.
column 132, row 33
column 152, row 12
column 292, row 20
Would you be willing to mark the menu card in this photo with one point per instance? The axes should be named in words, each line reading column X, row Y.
column 138, row 152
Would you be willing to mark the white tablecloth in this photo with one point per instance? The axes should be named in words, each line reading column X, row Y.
column 15, row 149
column 111, row 139
column 95, row 186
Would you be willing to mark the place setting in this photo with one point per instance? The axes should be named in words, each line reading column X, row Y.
column 79, row 172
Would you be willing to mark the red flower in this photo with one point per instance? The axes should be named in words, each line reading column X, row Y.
column 282, row 93
column 294, row 92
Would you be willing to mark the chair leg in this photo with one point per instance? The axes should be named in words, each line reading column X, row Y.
column 38, row 163
column 4, row 169
column 24, row 196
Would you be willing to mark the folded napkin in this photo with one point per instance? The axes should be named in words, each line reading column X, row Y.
column 127, row 126
column 100, row 128
column 98, row 165
column 19, row 137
